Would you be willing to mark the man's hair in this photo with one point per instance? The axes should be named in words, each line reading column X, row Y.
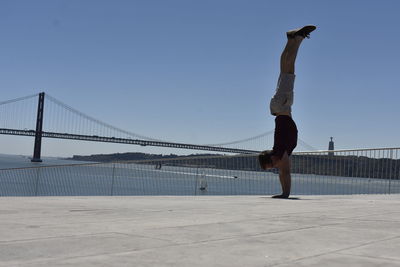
column 265, row 158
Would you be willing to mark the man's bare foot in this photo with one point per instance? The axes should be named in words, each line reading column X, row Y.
column 281, row 196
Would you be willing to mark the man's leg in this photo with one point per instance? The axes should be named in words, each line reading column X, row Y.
column 295, row 37
column 289, row 54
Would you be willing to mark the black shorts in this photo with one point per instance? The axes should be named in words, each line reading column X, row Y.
column 285, row 136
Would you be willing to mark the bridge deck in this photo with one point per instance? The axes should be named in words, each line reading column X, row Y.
column 200, row 231
column 106, row 139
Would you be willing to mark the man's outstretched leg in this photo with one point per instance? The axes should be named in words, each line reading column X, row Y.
column 289, row 54
column 294, row 39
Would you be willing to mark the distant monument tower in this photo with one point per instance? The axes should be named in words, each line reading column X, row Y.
column 331, row 147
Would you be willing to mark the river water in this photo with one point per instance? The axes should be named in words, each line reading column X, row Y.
column 140, row 179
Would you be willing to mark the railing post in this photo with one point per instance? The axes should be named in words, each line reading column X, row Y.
column 39, row 127
column 112, row 182
column 390, row 169
column 37, row 181
column 196, row 180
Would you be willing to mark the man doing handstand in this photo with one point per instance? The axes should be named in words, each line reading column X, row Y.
column 285, row 136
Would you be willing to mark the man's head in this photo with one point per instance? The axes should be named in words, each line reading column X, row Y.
column 265, row 160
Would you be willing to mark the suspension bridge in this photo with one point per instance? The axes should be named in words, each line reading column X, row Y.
column 43, row 116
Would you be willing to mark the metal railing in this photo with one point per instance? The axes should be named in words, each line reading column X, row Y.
column 359, row 171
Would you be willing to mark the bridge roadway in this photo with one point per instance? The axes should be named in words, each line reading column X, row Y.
column 140, row 142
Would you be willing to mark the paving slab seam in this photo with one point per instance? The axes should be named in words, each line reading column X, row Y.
column 212, row 223
column 370, row 257
column 296, row 262
column 127, row 252
column 255, row 220
column 272, row 218
column 307, row 213
column 133, row 220
column 344, row 223
column 148, row 237
column 371, row 220
column 336, row 251
column 356, row 218
column 60, row 237
column 371, row 214
column 233, row 237
column 86, row 222
column 187, row 225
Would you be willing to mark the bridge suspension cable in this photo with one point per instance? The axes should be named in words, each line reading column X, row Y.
column 17, row 99
column 300, row 141
column 244, row 140
column 58, row 102
column 307, row 146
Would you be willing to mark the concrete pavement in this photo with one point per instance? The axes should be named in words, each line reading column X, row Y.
column 359, row 230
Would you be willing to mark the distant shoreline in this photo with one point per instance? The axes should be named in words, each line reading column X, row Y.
column 329, row 165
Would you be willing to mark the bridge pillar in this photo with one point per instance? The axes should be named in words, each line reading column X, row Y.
column 39, row 126
column 331, row 147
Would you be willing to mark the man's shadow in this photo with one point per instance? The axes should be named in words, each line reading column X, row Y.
column 289, row 198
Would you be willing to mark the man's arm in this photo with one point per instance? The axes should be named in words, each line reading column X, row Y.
column 284, row 174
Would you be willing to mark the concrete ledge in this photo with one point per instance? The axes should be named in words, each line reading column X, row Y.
column 360, row 230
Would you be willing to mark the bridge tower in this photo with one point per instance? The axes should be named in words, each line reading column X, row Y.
column 331, row 147
column 39, row 126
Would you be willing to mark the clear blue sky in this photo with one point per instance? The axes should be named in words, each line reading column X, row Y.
column 204, row 71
